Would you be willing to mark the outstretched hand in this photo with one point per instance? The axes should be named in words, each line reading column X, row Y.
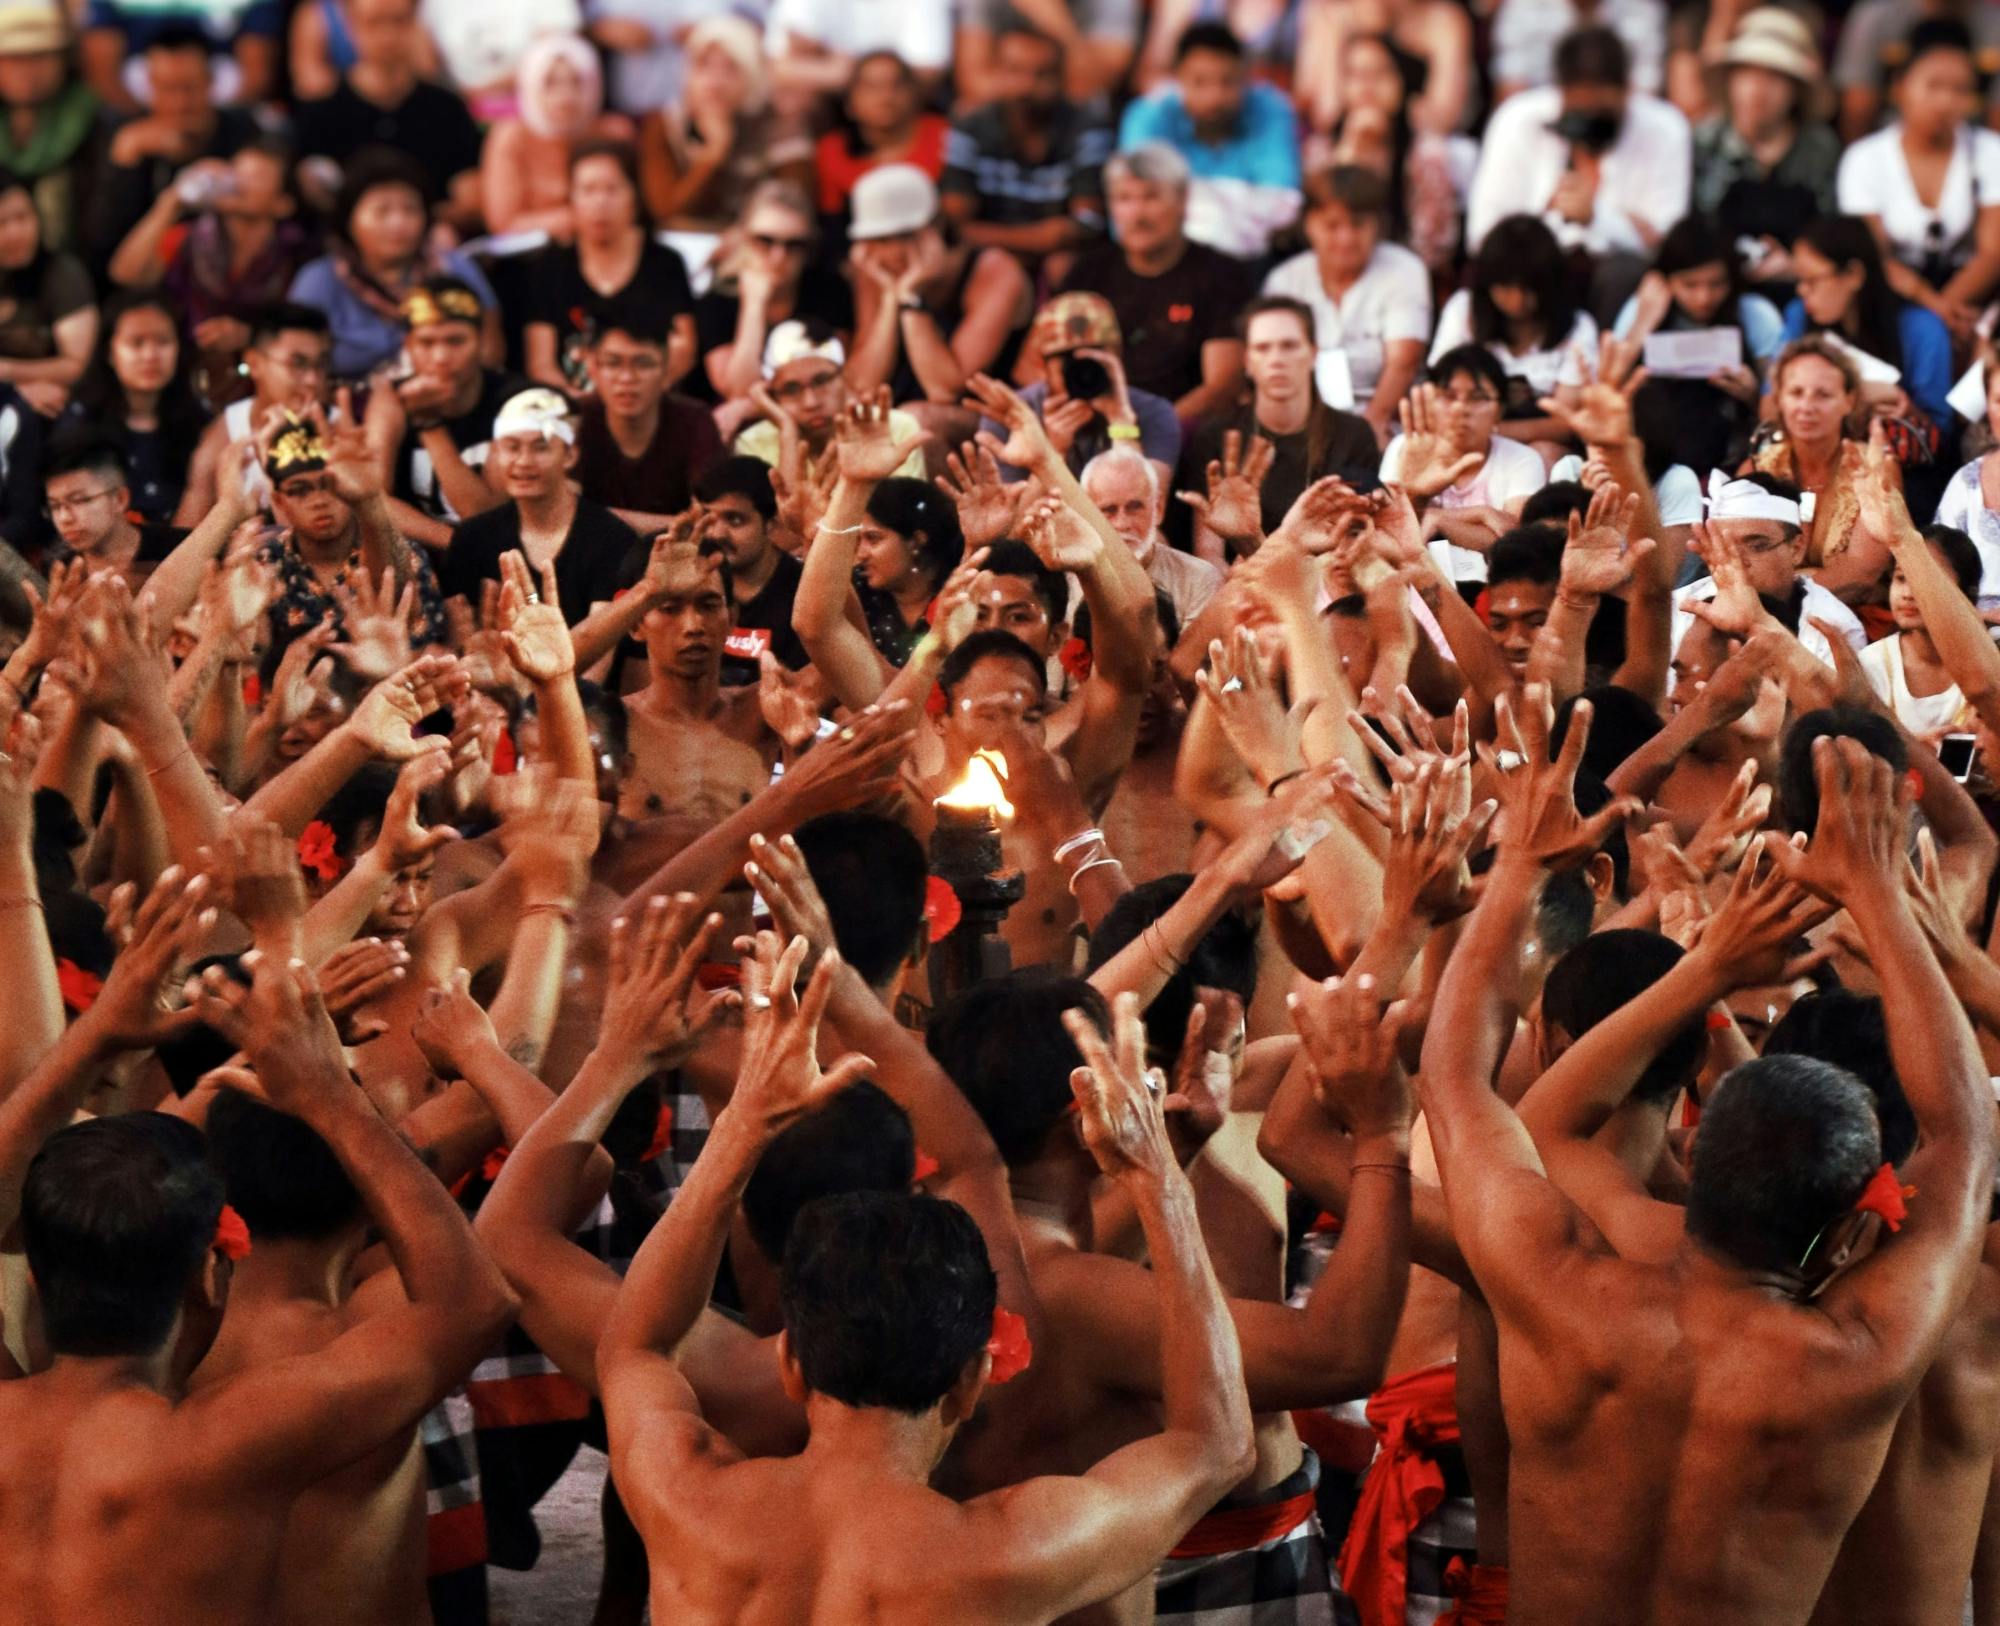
column 654, row 1011
column 1859, row 842
column 867, row 443
column 1350, row 1039
column 779, row 1079
column 1120, row 1101
column 1537, row 796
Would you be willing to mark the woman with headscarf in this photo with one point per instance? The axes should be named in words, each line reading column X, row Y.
column 699, row 158
column 524, row 169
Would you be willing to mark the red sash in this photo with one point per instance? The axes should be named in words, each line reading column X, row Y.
column 1413, row 1416
column 1481, row 1591
column 1238, row 1529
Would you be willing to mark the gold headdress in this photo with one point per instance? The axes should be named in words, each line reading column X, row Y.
column 297, row 450
column 425, row 306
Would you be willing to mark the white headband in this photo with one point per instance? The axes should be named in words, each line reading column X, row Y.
column 789, row 342
column 536, row 412
column 1730, row 498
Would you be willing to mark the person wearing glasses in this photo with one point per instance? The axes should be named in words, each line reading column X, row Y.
column 805, row 389
column 88, row 500
column 639, row 446
column 764, row 275
column 289, row 363
column 1929, row 185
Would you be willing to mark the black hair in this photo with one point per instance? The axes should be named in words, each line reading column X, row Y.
column 1012, row 557
column 606, row 708
column 280, row 1174
column 283, row 316
column 1940, row 34
column 1163, row 607
column 1473, row 360
column 1414, row 73
column 1675, row 420
column 1521, row 252
column 1798, row 783
column 1003, row 1044
column 858, row 1141
column 85, row 452
column 1565, row 914
column 102, row 399
column 887, row 1298
column 1593, row 55
column 1224, row 957
column 1605, row 973
column 1850, row 1030
column 1555, row 502
column 994, row 642
column 357, row 804
column 176, row 36
column 198, row 1048
column 1592, row 795
column 117, row 1215
column 1620, row 724
column 872, row 873
column 621, row 153
column 1266, row 304
column 914, row 509
column 734, row 476
column 373, row 167
column 1531, row 553
column 1787, row 1145
column 1207, row 35
column 1961, row 555
column 844, row 120
column 12, row 180
column 1845, row 240
column 1699, row 240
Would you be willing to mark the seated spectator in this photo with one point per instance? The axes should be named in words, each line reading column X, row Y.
column 1129, row 492
column 379, row 249
column 48, row 310
column 289, row 367
column 1464, row 396
column 1099, row 39
column 594, row 552
column 1309, row 439
column 483, row 46
column 765, row 275
column 1379, row 81
column 383, row 100
column 803, row 383
column 882, row 120
column 1528, row 36
column 1678, row 439
column 1874, row 44
column 1522, row 579
column 1905, row 669
column 1520, row 304
column 137, row 396
column 1604, row 167
column 813, row 45
column 238, row 253
column 639, row 447
column 89, row 504
column 320, row 48
column 1270, row 36
column 644, row 44
column 1764, row 162
column 612, row 263
column 1821, row 449
column 1971, row 502
column 1176, row 300
column 1845, row 291
column 721, row 138
column 149, row 150
column 1929, row 185
column 909, row 543
column 437, row 422
column 1240, row 140
column 1696, row 285
column 241, row 37
column 1023, row 173
column 741, row 513
column 48, row 135
column 1082, row 398
column 524, row 167
column 929, row 311
column 1435, row 35
column 1370, row 298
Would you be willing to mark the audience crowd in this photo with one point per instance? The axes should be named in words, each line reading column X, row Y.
column 1097, row 812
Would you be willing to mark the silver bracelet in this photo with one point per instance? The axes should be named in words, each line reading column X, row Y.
column 1083, row 838
column 1093, row 864
column 831, row 530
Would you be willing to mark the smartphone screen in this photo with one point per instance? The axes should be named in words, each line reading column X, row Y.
column 1956, row 752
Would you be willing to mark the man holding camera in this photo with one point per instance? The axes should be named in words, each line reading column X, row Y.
column 1082, row 398
column 1607, row 169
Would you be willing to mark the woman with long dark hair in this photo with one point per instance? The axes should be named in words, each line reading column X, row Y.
column 1844, row 290
column 136, row 392
column 910, row 542
column 1379, row 82
column 1521, row 303
column 882, row 121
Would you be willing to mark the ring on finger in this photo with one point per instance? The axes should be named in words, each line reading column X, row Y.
column 1508, row 760
column 1233, row 686
column 758, row 1002
column 1156, row 1080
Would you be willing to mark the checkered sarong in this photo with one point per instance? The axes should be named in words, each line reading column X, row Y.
column 1448, row 1532
column 1284, row 1581
column 455, row 1518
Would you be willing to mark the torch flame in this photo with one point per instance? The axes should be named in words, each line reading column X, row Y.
column 982, row 785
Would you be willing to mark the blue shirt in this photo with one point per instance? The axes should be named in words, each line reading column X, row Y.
column 221, row 22
column 363, row 337
column 1926, row 342
column 1263, row 149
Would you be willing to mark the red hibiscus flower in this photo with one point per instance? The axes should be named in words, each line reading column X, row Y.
column 1009, row 1347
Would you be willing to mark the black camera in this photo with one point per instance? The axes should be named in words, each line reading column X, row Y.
column 1595, row 133
column 1085, row 379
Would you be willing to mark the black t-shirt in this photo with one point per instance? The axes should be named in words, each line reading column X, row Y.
column 1166, row 319
column 416, row 476
column 559, row 296
column 765, row 622
column 597, row 557
column 661, row 479
column 822, row 293
column 124, row 192
column 1347, row 448
column 430, row 125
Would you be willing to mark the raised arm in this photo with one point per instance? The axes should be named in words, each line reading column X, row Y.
column 1057, row 1544
column 35, row 1007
